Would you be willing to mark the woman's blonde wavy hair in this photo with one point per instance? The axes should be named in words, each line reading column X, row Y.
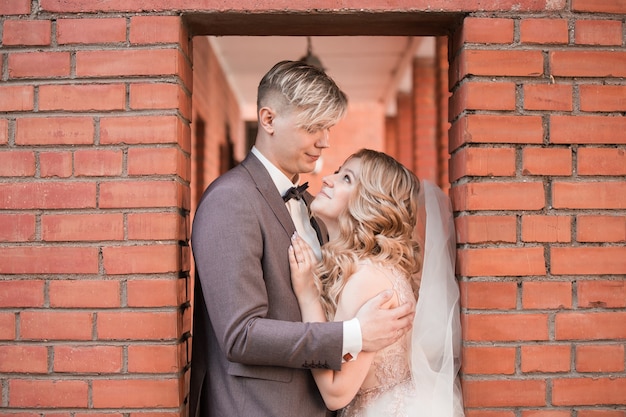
column 378, row 224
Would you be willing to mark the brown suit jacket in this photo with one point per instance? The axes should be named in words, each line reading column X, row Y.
column 251, row 354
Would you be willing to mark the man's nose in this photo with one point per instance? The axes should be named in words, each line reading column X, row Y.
column 323, row 141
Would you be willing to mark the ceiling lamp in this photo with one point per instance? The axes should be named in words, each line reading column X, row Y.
column 311, row 59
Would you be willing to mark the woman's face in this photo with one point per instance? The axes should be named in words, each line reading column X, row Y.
column 336, row 191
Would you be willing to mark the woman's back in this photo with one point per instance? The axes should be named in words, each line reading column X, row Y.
column 390, row 372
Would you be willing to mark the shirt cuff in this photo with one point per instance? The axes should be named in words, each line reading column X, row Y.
column 352, row 340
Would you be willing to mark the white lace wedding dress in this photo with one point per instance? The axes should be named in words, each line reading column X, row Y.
column 418, row 375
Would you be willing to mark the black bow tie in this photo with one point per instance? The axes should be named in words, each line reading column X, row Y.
column 295, row 192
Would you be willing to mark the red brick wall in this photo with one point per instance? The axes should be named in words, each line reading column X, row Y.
column 94, row 191
column 95, row 149
column 538, row 156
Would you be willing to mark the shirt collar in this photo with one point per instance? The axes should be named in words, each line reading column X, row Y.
column 280, row 180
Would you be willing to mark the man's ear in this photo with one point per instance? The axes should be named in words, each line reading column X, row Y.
column 266, row 118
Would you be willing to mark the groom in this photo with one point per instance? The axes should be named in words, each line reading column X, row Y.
column 251, row 353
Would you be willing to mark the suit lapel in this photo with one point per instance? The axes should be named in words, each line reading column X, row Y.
column 268, row 190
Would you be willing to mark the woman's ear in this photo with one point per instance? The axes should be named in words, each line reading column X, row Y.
column 266, row 118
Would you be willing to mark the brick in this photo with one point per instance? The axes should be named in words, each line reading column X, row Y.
column 545, row 358
column 590, row 325
column 155, row 96
column 156, row 414
column 17, row 98
column 17, row 227
column 616, row 6
column 488, row 30
column 127, row 62
column 14, row 7
column 82, row 227
column 588, row 260
column 139, row 130
column 131, row 325
column 55, row 325
column 48, row 260
column 483, row 162
column 592, row 228
column 589, row 195
column 483, row 96
column 98, row 163
column 546, row 295
column 84, row 97
column 501, row 262
column 26, row 32
column 17, row 163
column 489, row 295
column 544, row 31
column 91, row 31
column 486, row 229
column 152, row 293
column 143, row 259
column 588, row 63
column 84, row 293
column 601, row 161
column 4, row 130
column 498, row 196
column 156, row 161
column 546, row 413
column 600, row 358
column 154, row 29
column 153, row 359
column 504, row 393
column 588, row 391
column 47, row 195
column 24, row 359
column 156, row 226
column 483, row 128
column 39, row 64
column 147, row 393
column 88, row 359
column 587, row 129
column 602, row 98
column 541, row 228
column 547, row 161
column 22, row 293
column 597, row 411
column 507, row 327
column 7, row 326
column 488, row 360
column 509, row 63
column 55, row 164
column 548, row 97
column 109, row 414
column 602, row 294
column 598, row 32
column 47, row 393
column 54, row 131
column 138, row 194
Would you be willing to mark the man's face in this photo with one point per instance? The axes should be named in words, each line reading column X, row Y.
column 295, row 149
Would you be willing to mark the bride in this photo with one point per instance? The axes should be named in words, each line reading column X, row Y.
column 377, row 217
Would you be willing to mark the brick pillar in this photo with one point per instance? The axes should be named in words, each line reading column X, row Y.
column 425, row 116
column 94, row 191
column 404, row 130
column 443, row 124
column 538, row 163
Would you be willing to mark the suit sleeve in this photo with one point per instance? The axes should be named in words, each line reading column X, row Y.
column 240, row 252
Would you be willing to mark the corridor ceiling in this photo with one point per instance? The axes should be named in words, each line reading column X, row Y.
column 367, row 68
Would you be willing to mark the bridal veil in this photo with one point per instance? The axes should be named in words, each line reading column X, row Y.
column 436, row 338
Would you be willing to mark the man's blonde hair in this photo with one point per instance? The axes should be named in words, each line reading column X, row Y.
column 320, row 103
